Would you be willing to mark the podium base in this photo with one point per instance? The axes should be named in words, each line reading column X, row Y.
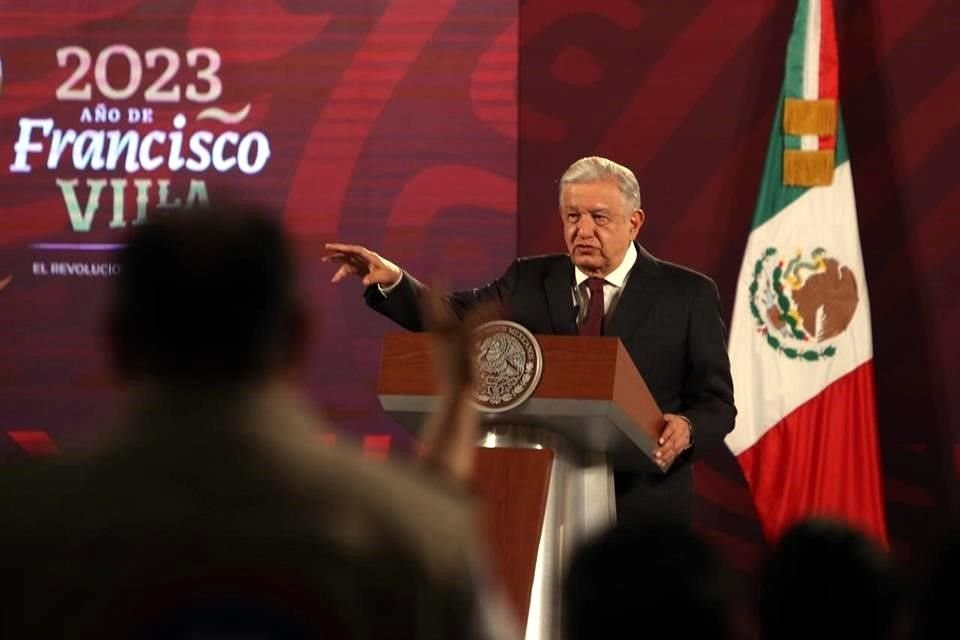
column 572, row 499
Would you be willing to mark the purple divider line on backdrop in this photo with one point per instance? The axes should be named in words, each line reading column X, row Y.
column 76, row 246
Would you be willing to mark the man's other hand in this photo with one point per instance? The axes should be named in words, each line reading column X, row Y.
column 674, row 440
column 371, row 267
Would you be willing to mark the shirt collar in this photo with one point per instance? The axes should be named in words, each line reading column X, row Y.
column 616, row 277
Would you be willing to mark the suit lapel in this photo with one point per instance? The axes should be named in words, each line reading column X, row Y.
column 558, row 285
column 638, row 296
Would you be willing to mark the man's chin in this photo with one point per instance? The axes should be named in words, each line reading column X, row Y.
column 587, row 262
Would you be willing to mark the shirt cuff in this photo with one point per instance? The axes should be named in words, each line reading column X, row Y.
column 385, row 290
column 689, row 427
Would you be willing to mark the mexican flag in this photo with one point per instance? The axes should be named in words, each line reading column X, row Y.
column 800, row 339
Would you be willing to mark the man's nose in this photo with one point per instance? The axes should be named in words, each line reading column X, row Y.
column 585, row 227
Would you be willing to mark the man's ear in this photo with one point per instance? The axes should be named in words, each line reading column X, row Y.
column 637, row 218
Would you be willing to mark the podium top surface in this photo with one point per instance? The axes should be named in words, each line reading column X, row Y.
column 590, row 393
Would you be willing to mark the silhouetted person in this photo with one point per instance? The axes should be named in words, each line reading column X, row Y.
column 825, row 580
column 649, row 578
column 935, row 610
column 212, row 511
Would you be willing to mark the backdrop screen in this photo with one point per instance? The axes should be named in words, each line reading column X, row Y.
column 391, row 124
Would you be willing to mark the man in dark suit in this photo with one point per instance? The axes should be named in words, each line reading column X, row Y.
column 667, row 316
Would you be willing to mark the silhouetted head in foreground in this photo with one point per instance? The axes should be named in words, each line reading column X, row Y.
column 935, row 610
column 206, row 295
column 648, row 578
column 825, row 579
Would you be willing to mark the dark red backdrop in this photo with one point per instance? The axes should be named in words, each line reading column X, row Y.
column 396, row 124
column 684, row 93
column 390, row 123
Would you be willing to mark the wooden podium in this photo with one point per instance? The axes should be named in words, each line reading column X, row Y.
column 544, row 469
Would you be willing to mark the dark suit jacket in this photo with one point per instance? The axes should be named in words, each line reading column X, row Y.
column 668, row 318
column 217, row 514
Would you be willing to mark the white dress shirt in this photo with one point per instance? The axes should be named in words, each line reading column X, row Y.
column 613, row 286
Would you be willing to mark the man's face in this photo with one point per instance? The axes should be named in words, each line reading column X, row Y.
column 597, row 225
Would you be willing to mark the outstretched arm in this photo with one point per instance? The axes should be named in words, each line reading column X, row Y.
column 398, row 295
column 404, row 302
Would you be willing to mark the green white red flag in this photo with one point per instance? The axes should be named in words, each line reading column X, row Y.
column 800, row 338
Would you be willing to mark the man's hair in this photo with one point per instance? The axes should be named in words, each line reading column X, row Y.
column 597, row 169
column 934, row 609
column 826, row 579
column 206, row 295
column 655, row 572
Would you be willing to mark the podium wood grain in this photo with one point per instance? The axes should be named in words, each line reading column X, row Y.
column 512, row 485
column 574, row 367
column 590, row 393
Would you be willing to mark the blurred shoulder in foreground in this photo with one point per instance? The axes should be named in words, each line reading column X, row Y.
column 214, row 510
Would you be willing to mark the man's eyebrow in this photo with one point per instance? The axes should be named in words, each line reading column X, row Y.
column 602, row 208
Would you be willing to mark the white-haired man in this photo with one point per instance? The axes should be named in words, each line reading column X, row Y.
column 667, row 316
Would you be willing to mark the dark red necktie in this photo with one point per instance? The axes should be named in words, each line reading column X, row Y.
column 593, row 322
